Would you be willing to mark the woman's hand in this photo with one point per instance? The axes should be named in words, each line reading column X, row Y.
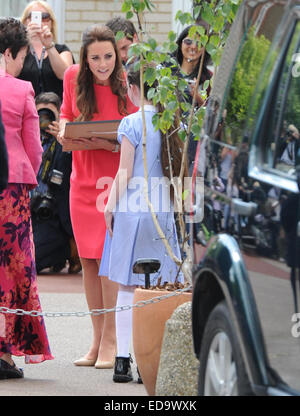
column 192, row 89
column 109, row 221
column 44, row 34
column 46, row 37
column 34, row 31
column 61, row 136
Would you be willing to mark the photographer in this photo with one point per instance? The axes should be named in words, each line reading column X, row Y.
column 52, row 229
column 289, row 145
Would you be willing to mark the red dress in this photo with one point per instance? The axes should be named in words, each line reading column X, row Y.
column 92, row 170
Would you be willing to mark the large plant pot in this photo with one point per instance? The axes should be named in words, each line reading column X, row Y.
column 148, row 330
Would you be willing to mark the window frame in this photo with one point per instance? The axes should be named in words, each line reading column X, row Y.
column 259, row 167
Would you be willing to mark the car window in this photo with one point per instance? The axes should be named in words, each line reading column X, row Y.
column 249, row 68
column 284, row 139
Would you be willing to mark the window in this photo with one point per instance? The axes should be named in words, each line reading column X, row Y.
column 286, row 110
column 243, row 99
column 12, row 8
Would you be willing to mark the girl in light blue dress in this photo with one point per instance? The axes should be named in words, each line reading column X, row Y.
column 131, row 232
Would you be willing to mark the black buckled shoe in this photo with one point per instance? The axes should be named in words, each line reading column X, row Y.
column 9, row 371
column 122, row 372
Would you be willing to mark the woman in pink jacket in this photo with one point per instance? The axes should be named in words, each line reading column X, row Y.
column 19, row 335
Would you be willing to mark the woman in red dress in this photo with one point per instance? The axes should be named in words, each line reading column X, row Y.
column 95, row 90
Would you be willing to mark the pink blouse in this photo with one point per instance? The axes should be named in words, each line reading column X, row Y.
column 22, row 131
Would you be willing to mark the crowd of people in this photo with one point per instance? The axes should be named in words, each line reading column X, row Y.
column 48, row 198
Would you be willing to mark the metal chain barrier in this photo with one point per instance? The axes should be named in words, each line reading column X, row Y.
column 94, row 312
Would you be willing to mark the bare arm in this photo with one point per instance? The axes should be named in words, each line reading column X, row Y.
column 59, row 61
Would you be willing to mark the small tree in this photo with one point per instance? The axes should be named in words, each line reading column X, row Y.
column 215, row 17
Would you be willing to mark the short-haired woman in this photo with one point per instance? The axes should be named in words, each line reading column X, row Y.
column 46, row 61
column 95, row 90
column 19, row 335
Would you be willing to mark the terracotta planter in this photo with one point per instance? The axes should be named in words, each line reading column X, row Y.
column 148, row 330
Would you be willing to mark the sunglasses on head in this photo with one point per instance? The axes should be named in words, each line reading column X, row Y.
column 45, row 16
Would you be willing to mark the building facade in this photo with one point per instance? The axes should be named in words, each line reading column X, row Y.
column 75, row 15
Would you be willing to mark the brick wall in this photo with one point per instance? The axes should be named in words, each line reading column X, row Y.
column 82, row 13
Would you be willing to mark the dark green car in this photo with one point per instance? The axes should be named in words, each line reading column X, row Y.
column 246, row 303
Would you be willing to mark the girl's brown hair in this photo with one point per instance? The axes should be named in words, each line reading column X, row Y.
column 170, row 138
column 86, row 99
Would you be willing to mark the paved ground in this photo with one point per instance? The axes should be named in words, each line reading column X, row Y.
column 69, row 339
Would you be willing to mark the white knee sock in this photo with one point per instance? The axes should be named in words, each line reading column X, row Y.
column 124, row 321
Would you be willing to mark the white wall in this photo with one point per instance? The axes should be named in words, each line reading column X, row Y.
column 184, row 6
column 58, row 7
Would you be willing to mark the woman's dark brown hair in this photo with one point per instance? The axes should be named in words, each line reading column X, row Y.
column 170, row 138
column 13, row 36
column 86, row 99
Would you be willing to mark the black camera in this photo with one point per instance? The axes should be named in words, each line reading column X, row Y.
column 43, row 203
column 46, row 117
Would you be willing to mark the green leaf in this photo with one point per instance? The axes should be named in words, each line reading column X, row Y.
column 120, row 35
column 129, row 15
column 153, row 44
column 126, row 6
column 197, row 11
column 136, row 66
column 156, row 121
column 150, row 75
column 151, row 94
column 136, row 4
column 172, row 105
column 164, row 94
column 185, row 194
column 196, row 129
column 165, row 81
column 172, row 36
column 206, row 84
column 182, row 135
column 173, row 47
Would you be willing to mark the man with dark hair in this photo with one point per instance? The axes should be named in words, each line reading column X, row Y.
column 3, row 158
column 119, row 24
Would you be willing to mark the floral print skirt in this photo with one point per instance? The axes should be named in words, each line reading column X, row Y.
column 20, row 335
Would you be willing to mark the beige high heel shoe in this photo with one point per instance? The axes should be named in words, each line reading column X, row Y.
column 105, row 364
column 84, row 362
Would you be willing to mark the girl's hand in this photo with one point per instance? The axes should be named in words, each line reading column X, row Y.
column 109, row 221
column 53, row 129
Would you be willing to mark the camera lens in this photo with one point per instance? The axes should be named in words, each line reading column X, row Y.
column 46, row 117
column 46, row 208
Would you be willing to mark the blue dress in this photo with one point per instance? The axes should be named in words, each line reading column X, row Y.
column 134, row 233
